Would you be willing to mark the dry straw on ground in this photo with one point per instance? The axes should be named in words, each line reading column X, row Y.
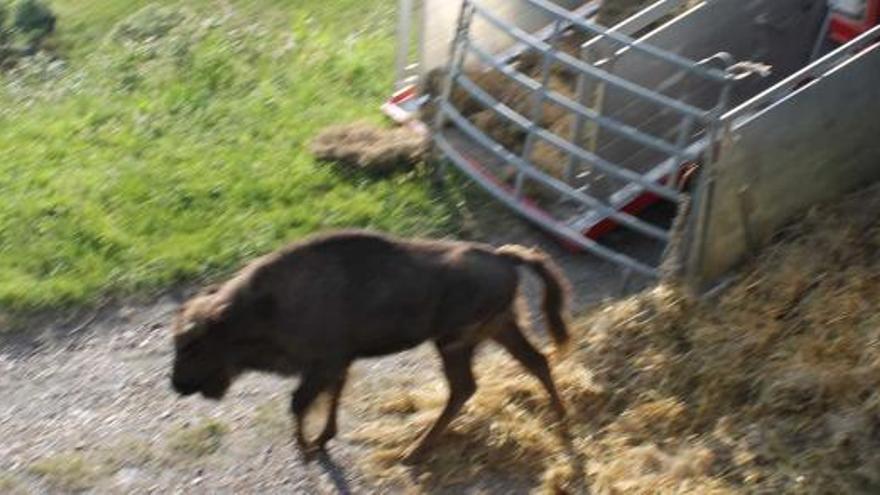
column 370, row 147
column 772, row 388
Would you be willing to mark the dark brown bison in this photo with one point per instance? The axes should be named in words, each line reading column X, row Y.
column 312, row 308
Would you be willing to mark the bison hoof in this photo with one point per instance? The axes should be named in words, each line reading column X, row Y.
column 308, row 450
column 561, row 414
column 325, row 437
column 311, row 452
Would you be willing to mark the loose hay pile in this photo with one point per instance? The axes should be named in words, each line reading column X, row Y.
column 772, row 388
column 520, row 99
column 370, row 147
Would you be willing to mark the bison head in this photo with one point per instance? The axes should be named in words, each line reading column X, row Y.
column 201, row 360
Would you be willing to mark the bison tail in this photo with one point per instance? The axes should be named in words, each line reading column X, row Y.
column 555, row 287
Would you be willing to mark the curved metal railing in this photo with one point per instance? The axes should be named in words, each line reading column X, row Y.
column 577, row 206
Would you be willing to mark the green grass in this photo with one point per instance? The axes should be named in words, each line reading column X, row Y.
column 68, row 471
column 75, row 471
column 197, row 441
column 136, row 166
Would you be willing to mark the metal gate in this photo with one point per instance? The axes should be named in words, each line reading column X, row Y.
column 609, row 159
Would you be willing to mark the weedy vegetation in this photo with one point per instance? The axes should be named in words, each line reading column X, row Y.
column 71, row 471
column 197, row 440
column 145, row 144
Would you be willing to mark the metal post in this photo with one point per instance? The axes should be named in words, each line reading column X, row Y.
column 823, row 35
column 538, row 104
column 681, row 143
column 625, row 278
column 711, row 155
column 589, row 94
column 598, row 103
column 420, row 35
column 456, row 60
column 404, row 24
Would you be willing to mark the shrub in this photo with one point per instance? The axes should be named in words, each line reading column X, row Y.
column 4, row 30
column 33, row 18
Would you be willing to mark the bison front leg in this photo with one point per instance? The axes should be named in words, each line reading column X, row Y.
column 315, row 380
column 457, row 367
column 330, row 426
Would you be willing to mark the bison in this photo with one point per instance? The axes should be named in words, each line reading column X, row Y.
column 312, row 308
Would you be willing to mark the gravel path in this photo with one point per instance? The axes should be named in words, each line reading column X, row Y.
column 86, row 405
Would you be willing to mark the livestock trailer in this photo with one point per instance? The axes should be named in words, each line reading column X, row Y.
column 740, row 114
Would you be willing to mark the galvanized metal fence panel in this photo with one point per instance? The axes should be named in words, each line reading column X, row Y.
column 583, row 203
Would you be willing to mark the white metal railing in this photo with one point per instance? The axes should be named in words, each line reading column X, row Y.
column 691, row 119
column 815, row 70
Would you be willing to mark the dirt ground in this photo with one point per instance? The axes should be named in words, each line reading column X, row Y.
column 87, row 406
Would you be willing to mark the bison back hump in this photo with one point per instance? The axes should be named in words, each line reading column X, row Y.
column 362, row 294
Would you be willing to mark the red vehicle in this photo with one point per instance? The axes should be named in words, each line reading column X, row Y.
column 850, row 18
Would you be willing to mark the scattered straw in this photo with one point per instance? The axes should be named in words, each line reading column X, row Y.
column 369, row 147
column 772, row 388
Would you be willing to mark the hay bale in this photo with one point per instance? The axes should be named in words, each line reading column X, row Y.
column 493, row 82
column 553, row 117
column 369, row 147
column 499, row 129
column 523, row 101
column 501, row 88
column 549, row 158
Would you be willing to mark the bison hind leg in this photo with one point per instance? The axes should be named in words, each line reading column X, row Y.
column 457, row 360
column 516, row 344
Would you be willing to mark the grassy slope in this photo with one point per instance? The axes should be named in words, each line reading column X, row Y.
column 138, row 168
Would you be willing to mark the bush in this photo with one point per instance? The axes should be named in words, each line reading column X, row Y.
column 33, row 18
column 4, row 16
column 24, row 24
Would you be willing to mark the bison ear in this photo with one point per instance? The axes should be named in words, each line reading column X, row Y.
column 265, row 306
column 217, row 312
column 183, row 325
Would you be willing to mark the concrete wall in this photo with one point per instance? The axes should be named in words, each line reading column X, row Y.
column 810, row 148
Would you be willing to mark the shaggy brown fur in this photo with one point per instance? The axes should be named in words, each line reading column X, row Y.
column 314, row 307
